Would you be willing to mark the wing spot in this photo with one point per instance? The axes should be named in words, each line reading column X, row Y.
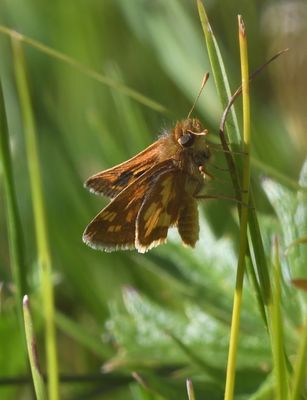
column 114, row 228
column 129, row 216
column 166, row 187
column 129, row 203
column 150, row 211
column 151, row 222
column 109, row 216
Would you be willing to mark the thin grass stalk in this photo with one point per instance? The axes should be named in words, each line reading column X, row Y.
column 219, row 72
column 105, row 80
column 235, row 323
column 37, row 377
column 300, row 367
column 190, row 390
column 232, row 129
column 44, row 260
column 277, row 334
column 15, row 235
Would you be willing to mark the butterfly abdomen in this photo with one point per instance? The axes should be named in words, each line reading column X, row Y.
column 188, row 226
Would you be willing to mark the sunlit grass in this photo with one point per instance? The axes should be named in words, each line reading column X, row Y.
column 172, row 319
column 15, row 231
column 38, row 203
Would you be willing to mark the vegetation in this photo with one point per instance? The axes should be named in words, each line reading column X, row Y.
column 90, row 84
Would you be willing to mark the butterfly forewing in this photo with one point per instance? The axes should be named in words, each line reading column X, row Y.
column 114, row 227
column 112, row 181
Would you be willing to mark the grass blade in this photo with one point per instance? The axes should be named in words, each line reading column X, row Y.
column 44, row 259
column 38, row 381
column 190, row 389
column 219, row 74
column 277, row 336
column 105, row 80
column 256, row 246
column 15, row 235
column 235, row 324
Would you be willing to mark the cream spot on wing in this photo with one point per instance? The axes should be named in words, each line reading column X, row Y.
column 165, row 219
column 152, row 222
column 166, row 188
column 129, row 216
column 129, row 203
column 150, row 210
column 155, row 215
column 114, row 228
column 109, row 215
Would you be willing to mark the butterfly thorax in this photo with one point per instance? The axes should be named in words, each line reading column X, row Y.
column 193, row 151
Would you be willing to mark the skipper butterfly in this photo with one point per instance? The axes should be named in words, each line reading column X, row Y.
column 157, row 188
column 151, row 192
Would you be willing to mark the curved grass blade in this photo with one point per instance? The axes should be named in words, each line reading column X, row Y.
column 302, row 240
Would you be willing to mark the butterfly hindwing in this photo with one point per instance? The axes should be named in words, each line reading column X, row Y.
column 114, row 227
column 159, row 211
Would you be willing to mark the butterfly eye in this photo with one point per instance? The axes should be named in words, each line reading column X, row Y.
column 186, row 140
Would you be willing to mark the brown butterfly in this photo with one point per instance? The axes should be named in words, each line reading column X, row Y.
column 151, row 192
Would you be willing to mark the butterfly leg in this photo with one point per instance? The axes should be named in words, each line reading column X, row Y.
column 205, row 172
column 222, row 197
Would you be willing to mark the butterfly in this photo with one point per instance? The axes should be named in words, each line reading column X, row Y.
column 151, row 192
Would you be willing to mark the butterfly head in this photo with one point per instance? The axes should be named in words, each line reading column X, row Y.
column 190, row 135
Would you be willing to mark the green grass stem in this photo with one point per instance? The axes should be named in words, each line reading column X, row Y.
column 105, row 80
column 190, row 390
column 37, row 377
column 277, row 332
column 44, row 260
column 235, row 323
column 219, row 72
column 233, row 132
column 15, row 235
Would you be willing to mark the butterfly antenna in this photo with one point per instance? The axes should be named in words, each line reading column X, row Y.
column 205, row 78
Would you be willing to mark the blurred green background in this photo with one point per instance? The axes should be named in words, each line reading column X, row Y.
column 165, row 314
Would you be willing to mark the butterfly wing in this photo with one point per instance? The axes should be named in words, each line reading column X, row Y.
column 112, row 181
column 160, row 210
column 115, row 226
